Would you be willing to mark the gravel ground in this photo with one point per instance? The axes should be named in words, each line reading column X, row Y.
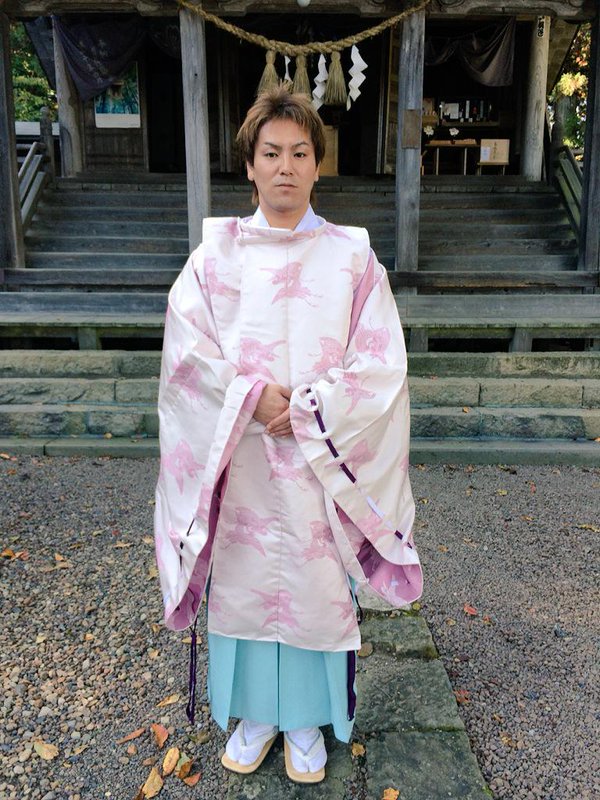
column 85, row 659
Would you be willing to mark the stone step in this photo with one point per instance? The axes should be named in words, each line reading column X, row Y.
column 152, row 228
column 432, row 392
column 553, row 452
column 491, row 280
column 581, row 366
column 65, row 419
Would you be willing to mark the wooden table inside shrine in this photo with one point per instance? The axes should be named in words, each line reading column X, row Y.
column 446, row 144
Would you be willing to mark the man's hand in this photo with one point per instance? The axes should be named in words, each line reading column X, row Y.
column 281, row 425
column 274, row 403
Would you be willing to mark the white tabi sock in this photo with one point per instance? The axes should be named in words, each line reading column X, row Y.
column 247, row 740
column 310, row 743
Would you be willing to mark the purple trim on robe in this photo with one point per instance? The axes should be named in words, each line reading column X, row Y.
column 350, row 684
column 190, row 709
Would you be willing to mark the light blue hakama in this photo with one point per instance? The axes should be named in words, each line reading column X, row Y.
column 278, row 685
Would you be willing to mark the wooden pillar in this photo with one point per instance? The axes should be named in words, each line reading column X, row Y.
column 408, row 149
column 589, row 252
column 12, row 253
column 70, row 115
column 195, row 110
column 535, row 111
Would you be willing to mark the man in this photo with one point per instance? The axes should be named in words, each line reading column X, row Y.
column 284, row 429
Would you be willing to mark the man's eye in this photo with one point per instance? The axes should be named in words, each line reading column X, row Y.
column 270, row 155
column 300, row 155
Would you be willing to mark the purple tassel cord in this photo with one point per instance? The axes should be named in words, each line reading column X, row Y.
column 191, row 706
column 350, row 684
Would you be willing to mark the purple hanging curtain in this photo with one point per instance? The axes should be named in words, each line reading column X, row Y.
column 99, row 52
column 487, row 57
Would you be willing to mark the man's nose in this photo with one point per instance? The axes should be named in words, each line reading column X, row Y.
column 285, row 165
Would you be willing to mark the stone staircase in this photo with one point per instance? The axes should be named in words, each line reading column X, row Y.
column 497, row 272
column 483, row 408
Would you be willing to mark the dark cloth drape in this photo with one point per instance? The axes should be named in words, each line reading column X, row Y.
column 39, row 31
column 98, row 53
column 487, row 57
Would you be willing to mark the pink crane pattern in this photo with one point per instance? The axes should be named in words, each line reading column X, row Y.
column 332, row 355
column 279, row 604
column 373, row 341
column 289, row 276
column 214, row 285
column 254, row 354
column 281, row 459
column 359, row 455
column 247, row 529
column 321, row 543
column 355, row 391
column 347, row 614
column 180, row 462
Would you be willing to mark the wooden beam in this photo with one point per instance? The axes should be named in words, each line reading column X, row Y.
column 589, row 254
column 535, row 111
column 12, row 252
column 408, row 147
column 70, row 116
column 195, row 109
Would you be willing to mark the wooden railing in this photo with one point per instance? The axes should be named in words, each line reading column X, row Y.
column 36, row 170
column 568, row 179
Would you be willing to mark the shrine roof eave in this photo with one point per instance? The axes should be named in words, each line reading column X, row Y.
column 575, row 10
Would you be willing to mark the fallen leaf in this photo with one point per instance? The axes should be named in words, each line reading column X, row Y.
column 502, row 492
column 365, row 650
column 506, row 739
column 131, row 736
column 193, row 779
column 390, row 794
column 147, row 540
column 109, row 436
column 186, row 640
column 424, row 500
column 168, row 701
column 358, row 749
column 7, row 553
column 466, row 409
column 152, row 572
column 149, row 762
column 41, row 637
column 450, row 621
column 5, row 456
column 153, row 654
column 487, row 619
column 462, row 696
column 585, row 526
column 170, row 760
column 123, row 544
column 131, row 749
column 202, row 737
column 442, row 548
column 80, row 749
column 154, row 783
column 469, row 491
column 532, row 487
column 58, row 557
column 161, row 734
column 470, row 610
column 140, row 794
column 155, row 627
column 416, row 606
column 184, row 766
column 45, row 750
column 526, row 518
column 89, row 637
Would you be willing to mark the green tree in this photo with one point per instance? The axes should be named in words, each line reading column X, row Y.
column 572, row 85
column 31, row 89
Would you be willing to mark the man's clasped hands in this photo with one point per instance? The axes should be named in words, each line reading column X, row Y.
column 273, row 410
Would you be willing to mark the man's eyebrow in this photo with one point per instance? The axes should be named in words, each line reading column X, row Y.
column 278, row 146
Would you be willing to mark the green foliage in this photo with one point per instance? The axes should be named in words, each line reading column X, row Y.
column 30, row 87
column 573, row 83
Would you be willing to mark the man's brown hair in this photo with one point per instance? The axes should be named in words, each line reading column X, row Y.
column 279, row 103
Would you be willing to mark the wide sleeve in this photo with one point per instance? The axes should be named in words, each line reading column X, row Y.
column 353, row 426
column 204, row 406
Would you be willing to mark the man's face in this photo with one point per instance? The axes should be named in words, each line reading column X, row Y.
column 284, row 170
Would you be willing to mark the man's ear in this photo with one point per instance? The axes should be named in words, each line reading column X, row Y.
column 317, row 173
column 249, row 171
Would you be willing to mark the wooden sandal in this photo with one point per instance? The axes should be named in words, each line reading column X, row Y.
column 246, row 769
column 292, row 772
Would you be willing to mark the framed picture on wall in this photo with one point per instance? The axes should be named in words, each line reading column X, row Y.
column 119, row 105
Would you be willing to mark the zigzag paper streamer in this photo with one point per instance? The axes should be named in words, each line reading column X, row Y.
column 357, row 79
column 320, row 83
column 287, row 76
